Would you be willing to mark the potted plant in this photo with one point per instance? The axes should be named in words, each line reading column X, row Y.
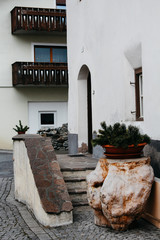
column 120, row 141
column 20, row 129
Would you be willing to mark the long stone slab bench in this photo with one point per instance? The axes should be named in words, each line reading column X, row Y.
column 39, row 182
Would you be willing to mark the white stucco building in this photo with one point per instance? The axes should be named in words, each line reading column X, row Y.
column 117, row 47
column 33, row 88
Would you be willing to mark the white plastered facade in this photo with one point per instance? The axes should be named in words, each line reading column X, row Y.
column 112, row 38
column 14, row 101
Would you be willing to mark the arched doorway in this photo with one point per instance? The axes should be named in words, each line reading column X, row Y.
column 84, row 107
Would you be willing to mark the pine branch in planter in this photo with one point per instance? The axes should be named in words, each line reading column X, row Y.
column 119, row 136
column 20, row 128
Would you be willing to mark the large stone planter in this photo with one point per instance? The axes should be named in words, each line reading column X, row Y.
column 118, row 191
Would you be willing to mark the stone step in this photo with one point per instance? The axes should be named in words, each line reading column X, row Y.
column 75, row 191
column 74, row 170
column 78, row 196
column 76, row 185
column 74, row 179
column 83, row 202
column 75, row 182
column 75, row 173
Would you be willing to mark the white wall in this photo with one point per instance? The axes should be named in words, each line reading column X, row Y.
column 59, row 108
column 19, row 47
column 14, row 107
column 112, row 38
column 14, row 101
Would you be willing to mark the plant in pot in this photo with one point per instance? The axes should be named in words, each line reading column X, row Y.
column 21, row 129
column 120, row 141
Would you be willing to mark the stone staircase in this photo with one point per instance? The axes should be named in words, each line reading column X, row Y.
column 75, row 170
column 76, row 185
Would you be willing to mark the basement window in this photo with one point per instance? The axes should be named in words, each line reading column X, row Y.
column 47, row 119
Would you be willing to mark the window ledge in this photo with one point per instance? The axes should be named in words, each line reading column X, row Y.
column 140, row 119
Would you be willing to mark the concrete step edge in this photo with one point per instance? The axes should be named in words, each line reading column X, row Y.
column 79, row 203
column 77, row 191
column 69, row 169
column 3, row 151
column 74, row 179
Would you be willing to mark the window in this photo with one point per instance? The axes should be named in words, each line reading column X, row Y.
column 61, row 7
column 139, row 94
column 50, row 54
column 47, row 119
column 61, row 4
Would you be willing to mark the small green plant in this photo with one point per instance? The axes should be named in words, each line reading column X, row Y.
column 20, row 128
column 119, row 135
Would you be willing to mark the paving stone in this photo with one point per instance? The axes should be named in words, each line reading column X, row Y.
column 44, row 237
column 17, row 226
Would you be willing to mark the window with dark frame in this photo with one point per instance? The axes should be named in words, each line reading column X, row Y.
column 50, row 54
column 47, row 119
column 61, row 7
column 61, row 4
column 139, row 94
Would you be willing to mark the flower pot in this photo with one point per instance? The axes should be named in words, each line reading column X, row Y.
column 21, row 132
column 123, row 153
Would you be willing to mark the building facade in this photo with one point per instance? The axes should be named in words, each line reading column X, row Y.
column 113, row 66
column 33, row 69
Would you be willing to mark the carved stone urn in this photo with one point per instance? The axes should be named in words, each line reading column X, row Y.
column 118, row 191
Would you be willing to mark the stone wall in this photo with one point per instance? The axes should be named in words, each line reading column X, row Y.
column 39, row 182
column 59, row 137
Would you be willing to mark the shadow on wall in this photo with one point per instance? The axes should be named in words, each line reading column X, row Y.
column 153, row 150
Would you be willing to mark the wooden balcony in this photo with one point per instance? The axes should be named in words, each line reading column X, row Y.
column 26, row 20
column 39, row 74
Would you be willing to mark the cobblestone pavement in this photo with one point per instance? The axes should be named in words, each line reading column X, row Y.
column 17, row 222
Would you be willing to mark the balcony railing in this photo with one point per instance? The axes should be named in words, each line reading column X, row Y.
column 26, row 19
column 30, row 73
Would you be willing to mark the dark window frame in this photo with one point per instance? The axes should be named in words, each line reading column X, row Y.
column 61, row 2
column 43, row 120
column 51, row 53
column 138, row 72
column 43, row 125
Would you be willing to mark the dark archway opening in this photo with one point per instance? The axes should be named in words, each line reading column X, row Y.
column 89, row 103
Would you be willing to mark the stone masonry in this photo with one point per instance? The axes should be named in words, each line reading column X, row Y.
column 39, row 182
column 47, row 175
column 59, row 137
